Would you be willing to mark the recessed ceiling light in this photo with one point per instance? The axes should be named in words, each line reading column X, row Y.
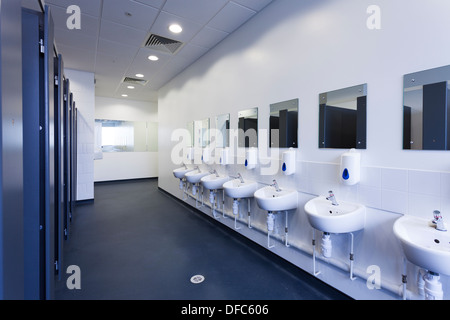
column 124, row 95
column 130, row 87
column 153, row 58
column 175, row 28
column 139, row 75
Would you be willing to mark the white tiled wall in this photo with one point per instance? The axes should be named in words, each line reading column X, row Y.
column 393, row 181
column 83, row 89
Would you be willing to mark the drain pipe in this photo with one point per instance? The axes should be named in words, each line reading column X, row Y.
column 433, row 286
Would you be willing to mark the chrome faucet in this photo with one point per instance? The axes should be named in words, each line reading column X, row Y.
column 332, row 198
column 275, row 185
column 439, row 221
column 214, row 172
column 238, row 177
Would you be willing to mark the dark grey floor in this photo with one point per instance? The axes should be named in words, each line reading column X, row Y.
column 137, row 242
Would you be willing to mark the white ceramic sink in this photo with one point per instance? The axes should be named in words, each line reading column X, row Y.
column 213, row 182
column 237, row 190
column 270, row 199
column 344, row 218
column 423, row 245
column 180, row 172
column 195, row 176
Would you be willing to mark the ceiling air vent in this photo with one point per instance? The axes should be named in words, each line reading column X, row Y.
column 134, row 81
column 160, row 43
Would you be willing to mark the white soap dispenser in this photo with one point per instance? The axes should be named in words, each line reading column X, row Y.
column 224, row 157
column 189, row 153
column 206, row 154
column 251, row 158
column 350, row 172
column 288, row 162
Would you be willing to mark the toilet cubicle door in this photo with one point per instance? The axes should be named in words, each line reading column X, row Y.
column 34, row 211
column 39, row 156
column 74, row 156
column 71, row 163
column 59, row 165
column 67, row 182
column 49, row 153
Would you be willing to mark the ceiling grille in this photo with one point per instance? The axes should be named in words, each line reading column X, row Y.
column 163, row 44
column 134, row 81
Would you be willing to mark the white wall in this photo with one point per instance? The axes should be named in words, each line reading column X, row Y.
column 83, row 88
column 126, row 165
column 298, row 49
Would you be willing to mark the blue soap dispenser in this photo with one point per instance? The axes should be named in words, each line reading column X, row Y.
column 350, row 172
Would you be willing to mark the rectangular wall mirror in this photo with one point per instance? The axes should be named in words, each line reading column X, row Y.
column 191, row 138
column 248, row 128
column 126, row 136
column 201, row 133
column 343, row 118
column 425, row 110
column 284, row 124
column 223, row 131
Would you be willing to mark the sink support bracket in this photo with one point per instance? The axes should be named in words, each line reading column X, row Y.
column 316, row 273
column 351, row 256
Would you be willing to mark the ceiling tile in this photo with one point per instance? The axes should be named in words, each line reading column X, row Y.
column 208, row 37
column 110, row 43
column 231, row 17
column 122, row 34
column 116, row 49
column 164, row 20
column 108, row 65
column 77, row 58
column 199, row 11
column 90, row 7
column 75, row 39
column 191, row 52
column 154, row 3
column 89, row 24
column 141, row 63
column 142, row 16
column 256, row 5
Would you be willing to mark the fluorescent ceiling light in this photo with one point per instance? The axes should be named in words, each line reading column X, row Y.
column 124, row 95
column 130, row 87
column 175, row 28
column 139, row 75
column 153, row 58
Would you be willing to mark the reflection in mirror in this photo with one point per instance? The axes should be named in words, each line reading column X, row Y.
column 284, row 124
column 201, row 133
column 223, row 131
column 342, row 118
column 248, row 128
column 425, row 110
column 126, row 136
column 190, row 128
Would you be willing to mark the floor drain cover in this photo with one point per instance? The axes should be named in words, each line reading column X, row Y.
column 197, row 279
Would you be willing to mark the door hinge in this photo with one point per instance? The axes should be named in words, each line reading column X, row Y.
column 65, row 97
column 56, row 81
column 41, row 46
